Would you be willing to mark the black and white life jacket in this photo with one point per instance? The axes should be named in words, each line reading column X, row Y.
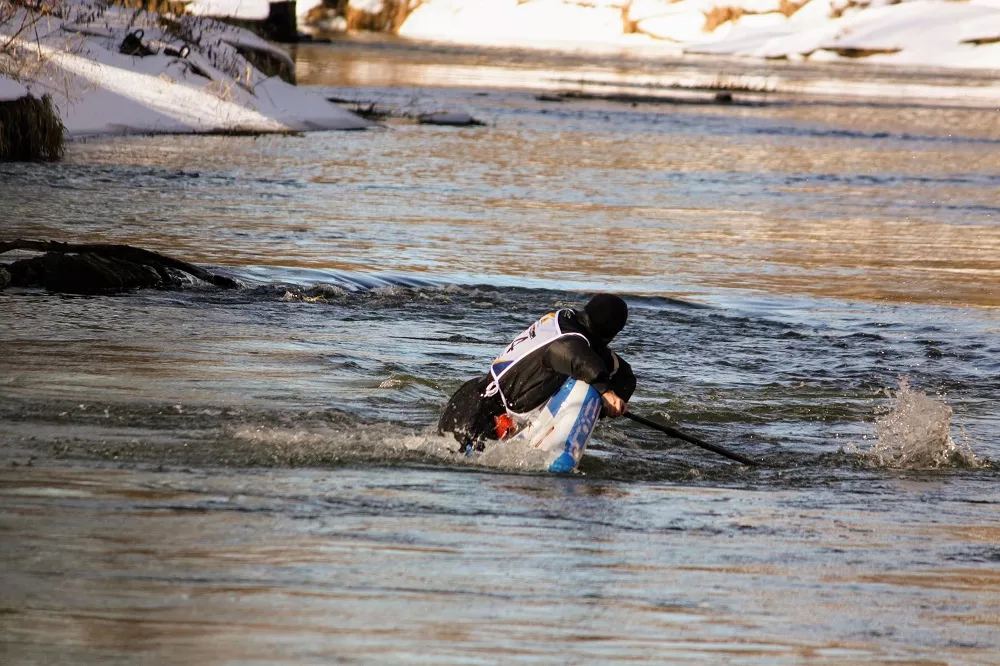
column 536, row 336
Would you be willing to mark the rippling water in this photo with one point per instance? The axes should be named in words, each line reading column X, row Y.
column 224, row 477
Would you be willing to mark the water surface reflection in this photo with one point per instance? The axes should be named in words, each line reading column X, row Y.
column 527, row 569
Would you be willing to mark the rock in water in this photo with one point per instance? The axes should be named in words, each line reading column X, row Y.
column 101, row 269
column 87, row 273
column 449, row 118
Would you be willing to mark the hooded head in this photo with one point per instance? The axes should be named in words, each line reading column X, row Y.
column 607, row 314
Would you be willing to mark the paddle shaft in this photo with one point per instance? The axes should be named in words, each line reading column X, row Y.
column 674, row 432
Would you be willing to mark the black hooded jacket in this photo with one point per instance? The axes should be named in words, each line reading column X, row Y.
column 469, row 415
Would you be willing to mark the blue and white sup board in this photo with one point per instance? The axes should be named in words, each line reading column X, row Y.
column 562, row 428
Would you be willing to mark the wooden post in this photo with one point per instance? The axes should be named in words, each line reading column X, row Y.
column 282, row 23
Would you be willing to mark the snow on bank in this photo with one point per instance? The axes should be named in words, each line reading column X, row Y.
column 213, row 88
column 11, row 89
column 939, row 33
column 922, row 33
column 495, row 22
column 244, row 9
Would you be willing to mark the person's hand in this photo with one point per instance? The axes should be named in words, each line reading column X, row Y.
column 613, row 405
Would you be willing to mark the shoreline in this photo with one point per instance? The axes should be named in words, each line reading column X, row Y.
column 101, row 93
column 114, row 71
column 642, row 73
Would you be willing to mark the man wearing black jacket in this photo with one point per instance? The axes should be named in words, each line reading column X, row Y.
column 568, row 343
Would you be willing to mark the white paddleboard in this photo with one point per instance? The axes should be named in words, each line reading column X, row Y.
column 562, row 428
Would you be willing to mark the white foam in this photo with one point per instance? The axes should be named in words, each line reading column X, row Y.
column 381, row 443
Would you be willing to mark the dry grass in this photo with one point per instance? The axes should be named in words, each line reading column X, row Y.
column 203, row 34
column 21, row 22
column 789, row 7
column 393, row 13
column 30, row 129
column 719, row 15
column 389, row 20
column 267, row 63
column 175, row 7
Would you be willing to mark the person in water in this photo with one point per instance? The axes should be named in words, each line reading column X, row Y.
column 563, row 344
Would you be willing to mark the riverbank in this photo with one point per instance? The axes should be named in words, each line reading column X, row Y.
column 925, row 33
column 932, row 33
column 112, row 70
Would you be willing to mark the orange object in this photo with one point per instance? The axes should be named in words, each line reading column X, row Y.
column 504, row 425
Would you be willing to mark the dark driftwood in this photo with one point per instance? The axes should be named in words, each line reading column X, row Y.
column 101, row 268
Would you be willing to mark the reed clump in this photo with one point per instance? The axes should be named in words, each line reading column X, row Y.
column 175, row 7
column 30, row 129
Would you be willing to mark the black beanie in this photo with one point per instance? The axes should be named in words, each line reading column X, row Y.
column 607, row 314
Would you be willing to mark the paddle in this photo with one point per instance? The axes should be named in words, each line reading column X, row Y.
column 673, row 432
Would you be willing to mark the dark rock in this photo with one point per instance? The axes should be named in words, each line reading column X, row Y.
column 86, row 273
column 102, row 269
column 132, row 45
column 4, row 278
column 453, row 118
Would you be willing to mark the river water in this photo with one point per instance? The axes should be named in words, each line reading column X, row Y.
column 253, row 476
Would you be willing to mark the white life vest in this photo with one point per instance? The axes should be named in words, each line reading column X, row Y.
column 536, row 336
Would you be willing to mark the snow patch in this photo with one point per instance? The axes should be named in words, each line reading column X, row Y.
column 245, row 9
column 540, row 20
column 10, row 89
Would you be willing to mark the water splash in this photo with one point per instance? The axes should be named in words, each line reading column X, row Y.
column 915, row 433
column 369, row 443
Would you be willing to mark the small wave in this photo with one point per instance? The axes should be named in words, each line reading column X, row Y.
column 351, row 294
column 916, row 434
column 402, row 380
column 822, row 132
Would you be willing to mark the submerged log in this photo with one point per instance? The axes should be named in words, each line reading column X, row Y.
column 100, row 268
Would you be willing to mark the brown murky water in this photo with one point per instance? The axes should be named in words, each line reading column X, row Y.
column 313, row 567
column 198, row 477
